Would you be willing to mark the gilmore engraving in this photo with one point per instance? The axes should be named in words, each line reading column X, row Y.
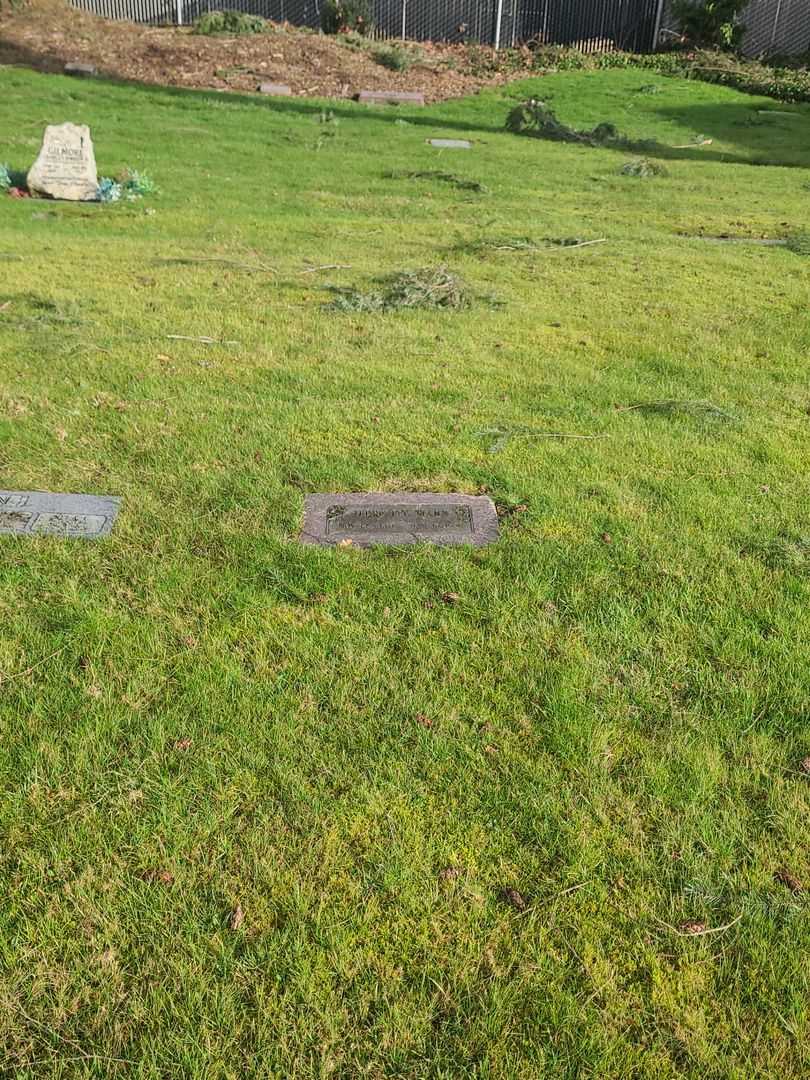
column 13, row 500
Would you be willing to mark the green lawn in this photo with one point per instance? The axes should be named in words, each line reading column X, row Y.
column 611, row 718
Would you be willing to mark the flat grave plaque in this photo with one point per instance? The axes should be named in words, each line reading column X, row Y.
column 274, row 89
column 391, row 97
column 451, row 144
column 81, row 71
column 369, row 519
column 40, row 513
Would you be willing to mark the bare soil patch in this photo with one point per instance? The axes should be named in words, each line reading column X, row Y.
column 47, row 34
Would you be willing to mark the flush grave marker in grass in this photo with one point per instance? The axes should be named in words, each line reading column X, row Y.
column 368, row 519
column 42, row 513
column 274, row 89
column 451, row 144
column 391, row 97
column 81, row 71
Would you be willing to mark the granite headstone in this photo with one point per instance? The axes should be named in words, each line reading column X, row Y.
column 66, row 165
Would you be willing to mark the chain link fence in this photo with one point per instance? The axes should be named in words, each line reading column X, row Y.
column 592, row 25
column 773, row 27
column 595, row 25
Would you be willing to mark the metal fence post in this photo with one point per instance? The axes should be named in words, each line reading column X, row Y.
column 777, row 15
column 404, row 12
column 498, row 20
column 658, row 17
column 179, row 5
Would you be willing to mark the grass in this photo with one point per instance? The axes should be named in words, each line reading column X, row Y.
column 470, row 806
column 462, row 183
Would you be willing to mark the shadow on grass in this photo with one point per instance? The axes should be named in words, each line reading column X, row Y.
column 773, row 133
column 731, row 122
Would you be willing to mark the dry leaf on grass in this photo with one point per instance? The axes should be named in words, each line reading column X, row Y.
column 153, row 875
column 516, row 899
column 183, row 744
column 107, row 958
column 424, row 721
column 237, row 917
column 692, row 927
column 450, row 873
column 788, row 879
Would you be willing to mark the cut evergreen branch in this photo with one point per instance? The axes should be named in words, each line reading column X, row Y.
column 534, row 117
column 430, row 289
column 233, row 23
column 396, row 57
column 520, row 244
column 799, row 243
column 673, row 406
column 643, row 167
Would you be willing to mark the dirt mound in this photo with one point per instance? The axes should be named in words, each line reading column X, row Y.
column 47, row 34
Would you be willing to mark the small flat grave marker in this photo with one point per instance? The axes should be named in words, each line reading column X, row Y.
column 81, row 71
column 274, row 89
column 451, row 144
column 41, row 513
column 391, row 97
column 394, row 519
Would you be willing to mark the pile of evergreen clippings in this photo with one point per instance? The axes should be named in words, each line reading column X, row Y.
column 432, row 288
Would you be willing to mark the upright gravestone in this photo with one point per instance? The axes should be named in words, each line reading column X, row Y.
column 66, row 166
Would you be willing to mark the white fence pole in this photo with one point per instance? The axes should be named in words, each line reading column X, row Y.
column 777, row 15
column 658, row 19
column 498, row 20
column 404, row 11
column 179, row 12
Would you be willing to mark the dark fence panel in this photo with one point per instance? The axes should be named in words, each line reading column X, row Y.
column 595, row 25
column 592, row 25
column 772, row 27
column 297, row 12
column 777, row 27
